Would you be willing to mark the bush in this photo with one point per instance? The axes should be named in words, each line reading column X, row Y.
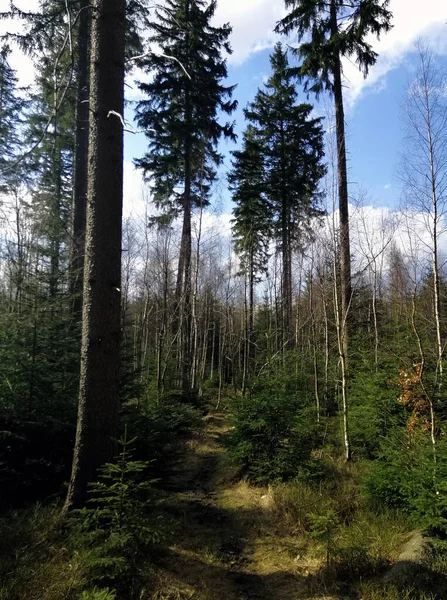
column 406, row 477
column 373, row 412
column 274, row 431
column 158, row 426
column 35, row 459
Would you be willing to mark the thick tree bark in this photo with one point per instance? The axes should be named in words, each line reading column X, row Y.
column 100, row 352
column 80, row 160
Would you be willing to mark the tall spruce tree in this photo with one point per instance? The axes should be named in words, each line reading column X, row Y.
column 180, row 120
column 252, row 221
column 332, row 30
column 292, row 146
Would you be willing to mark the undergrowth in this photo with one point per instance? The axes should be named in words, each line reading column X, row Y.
column 351, row 539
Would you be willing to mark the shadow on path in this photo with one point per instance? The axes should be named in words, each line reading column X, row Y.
column 214, row 555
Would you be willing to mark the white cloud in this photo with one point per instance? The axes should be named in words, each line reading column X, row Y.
column 253, row 22
column 134, row 192
column 374, row 229
column 411, row 21
column 137, row 204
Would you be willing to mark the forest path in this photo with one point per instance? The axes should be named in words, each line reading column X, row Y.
column 227, row 548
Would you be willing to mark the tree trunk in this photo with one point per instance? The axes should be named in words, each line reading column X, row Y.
column 343, row 205
column 435, row 234
column 80, row 161
column 185, row 285
column 100, row 351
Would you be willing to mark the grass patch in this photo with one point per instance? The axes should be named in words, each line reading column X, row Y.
column 380, row 591
column 350, row 540
column 35, row 562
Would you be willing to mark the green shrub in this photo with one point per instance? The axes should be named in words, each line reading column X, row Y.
column 118, row 525
column 406, row 477
column 158, row 426
column 274, row 431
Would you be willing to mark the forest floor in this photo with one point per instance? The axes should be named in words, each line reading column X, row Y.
column 229, row 546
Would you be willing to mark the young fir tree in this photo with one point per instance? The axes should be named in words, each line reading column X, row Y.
column 292, row 145
column 180, row 118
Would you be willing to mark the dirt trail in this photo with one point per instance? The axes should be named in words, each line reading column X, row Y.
column 226, row 549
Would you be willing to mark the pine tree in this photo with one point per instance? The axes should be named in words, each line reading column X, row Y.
column 180, row 118
column 292, row 142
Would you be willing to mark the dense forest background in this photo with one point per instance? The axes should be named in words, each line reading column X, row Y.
column 314, row 335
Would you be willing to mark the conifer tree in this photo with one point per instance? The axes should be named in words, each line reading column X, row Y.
column 292, row 146
column 180, row 120
column 251, row 224
column 12, row 105
column 41, row 341
column 327, row 32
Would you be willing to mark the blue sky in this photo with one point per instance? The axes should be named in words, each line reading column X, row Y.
column 373, row 114
column 373, row 107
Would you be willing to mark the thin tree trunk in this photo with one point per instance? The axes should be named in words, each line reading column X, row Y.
column 376, row 327
column 246, row 346
column 343, row 200
column 340, row 323
column 436, row 294
column 195, row 321
column 313, row 344
column 426, row 394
